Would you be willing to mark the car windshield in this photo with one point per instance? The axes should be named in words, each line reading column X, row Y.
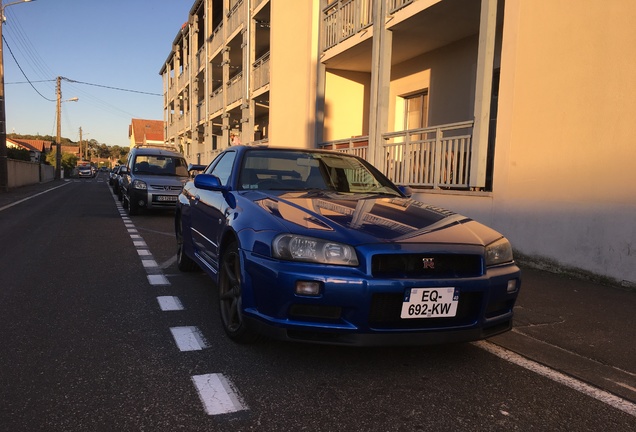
column 160, row 165
column 311, row 171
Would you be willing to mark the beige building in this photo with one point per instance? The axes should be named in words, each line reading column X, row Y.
column 514, row 112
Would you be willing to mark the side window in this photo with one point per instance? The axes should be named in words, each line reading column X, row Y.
column 223, row 167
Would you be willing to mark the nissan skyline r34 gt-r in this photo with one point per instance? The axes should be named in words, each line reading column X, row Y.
column 318, row 246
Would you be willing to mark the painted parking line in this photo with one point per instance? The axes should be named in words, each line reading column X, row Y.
column 169, row 303
column 218, row 394
column 558, row 377
column 188, row 338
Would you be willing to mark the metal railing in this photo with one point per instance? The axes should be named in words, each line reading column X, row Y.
column 344, row 18
column 357, row 146
column 434, row 156
column 437, row 157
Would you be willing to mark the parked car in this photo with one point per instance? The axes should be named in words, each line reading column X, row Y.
column 152, row 179
column 113, row 180
column 317, row 246
column 85, row 171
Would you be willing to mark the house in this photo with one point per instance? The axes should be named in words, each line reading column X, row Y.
column 513, row 112
column 36, row 148
column 146, row 132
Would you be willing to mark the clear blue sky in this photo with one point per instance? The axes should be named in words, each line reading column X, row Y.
column 105, row 43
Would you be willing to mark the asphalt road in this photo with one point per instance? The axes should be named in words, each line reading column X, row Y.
column 89, row 343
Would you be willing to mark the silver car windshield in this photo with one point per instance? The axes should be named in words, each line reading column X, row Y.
column 160, row 165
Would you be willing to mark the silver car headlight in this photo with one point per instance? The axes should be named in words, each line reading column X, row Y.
column 300, row 248
column 138, row 184
column 498, row 252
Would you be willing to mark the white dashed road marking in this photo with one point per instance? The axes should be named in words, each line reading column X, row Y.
column 169, row 303
column 218, row 394
column 188, row 338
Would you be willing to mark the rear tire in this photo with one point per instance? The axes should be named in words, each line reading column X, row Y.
column 231, row 297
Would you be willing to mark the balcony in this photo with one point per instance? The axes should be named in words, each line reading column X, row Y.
column 235, row 88
column 435, row 157
column 236, row 16
column 260, row 72
column 344, row 18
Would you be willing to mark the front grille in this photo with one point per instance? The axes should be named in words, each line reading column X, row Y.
column 166, row 188
column 386, row 307
column 423, row 266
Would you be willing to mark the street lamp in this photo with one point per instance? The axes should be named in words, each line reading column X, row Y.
column 4, row 168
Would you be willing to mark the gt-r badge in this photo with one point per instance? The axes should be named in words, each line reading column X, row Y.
column 428, row 263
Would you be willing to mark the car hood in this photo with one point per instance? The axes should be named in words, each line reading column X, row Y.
column 359, row 219
column 162, row 180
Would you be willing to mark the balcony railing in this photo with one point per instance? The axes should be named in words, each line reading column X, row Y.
column 357, row 146
column 235, row 88
column 236, row 16
column 437, row 157
column 216, row 100
column 394, row 5
column 201, row 58
column 344, row 18
column 217, row 38
column 260, row 72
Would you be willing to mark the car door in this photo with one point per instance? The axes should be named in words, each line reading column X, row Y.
column 208, row 212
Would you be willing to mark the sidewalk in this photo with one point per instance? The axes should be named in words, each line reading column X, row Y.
column 578, row 327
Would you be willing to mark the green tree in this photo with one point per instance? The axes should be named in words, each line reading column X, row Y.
column 69, row 160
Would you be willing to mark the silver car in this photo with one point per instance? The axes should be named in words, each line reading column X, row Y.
column 152, row 179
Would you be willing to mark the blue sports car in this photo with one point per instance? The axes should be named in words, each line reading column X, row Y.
column 318, row 246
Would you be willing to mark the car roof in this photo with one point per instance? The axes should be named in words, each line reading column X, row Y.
column 156, row 151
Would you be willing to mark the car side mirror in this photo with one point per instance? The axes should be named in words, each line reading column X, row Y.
column 209, row 182
column 406, row 190
column 213, row 183
column 123, row 170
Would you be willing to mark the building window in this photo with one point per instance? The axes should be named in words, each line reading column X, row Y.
column 416, row 111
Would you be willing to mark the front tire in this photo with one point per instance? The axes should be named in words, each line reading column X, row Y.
column 133, row 207
column 231, row 297
column 184, row 262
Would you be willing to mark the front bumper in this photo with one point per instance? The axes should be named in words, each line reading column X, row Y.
column 357, row 309
column 152, row 199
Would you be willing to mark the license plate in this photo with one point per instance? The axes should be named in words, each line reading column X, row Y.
column 430, row 303
column 166, row 198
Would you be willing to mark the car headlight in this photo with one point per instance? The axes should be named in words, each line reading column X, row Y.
column 138, row 184
column 300, row 248
column 498, row 252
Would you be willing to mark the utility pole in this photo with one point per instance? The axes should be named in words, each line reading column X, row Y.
column 4, row 166
column 58, row 140
column 58, row 156
column 81, row 156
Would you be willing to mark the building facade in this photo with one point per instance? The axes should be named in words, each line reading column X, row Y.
column 513, row 112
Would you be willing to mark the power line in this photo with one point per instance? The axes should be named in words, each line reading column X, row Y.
column 111, row 88
column 20, row 67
